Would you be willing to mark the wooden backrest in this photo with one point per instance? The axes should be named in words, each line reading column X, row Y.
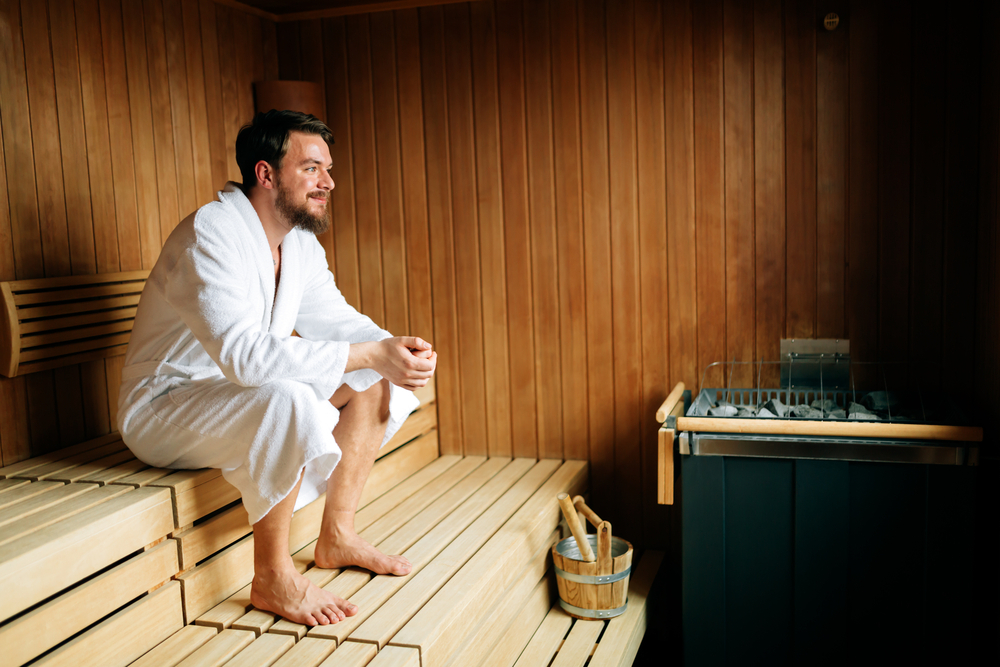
column 52, row 322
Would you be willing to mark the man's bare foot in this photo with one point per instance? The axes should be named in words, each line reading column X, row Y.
column 289, row 594
column 342, row 550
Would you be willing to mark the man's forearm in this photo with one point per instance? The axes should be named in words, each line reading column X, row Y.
column 361, row 355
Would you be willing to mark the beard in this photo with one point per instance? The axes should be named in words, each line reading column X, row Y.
column 299, row 215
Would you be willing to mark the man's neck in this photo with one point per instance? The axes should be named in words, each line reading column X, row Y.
column 262, row 201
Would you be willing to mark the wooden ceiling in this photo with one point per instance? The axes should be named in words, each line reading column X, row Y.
column 298, row 10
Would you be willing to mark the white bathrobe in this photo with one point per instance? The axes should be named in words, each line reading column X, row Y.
column 214, row 378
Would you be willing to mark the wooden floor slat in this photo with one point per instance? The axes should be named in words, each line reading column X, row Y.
column 264, row 650
column 545, row 642
column 455, row 539
column 351, row 654
column 307, row 653
column 621, row 640
column 219, row 649
column 178, row 646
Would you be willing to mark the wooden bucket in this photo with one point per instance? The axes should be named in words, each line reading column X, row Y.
column 593, row 590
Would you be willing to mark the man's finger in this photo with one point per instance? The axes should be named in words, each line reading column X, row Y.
column 415, row 343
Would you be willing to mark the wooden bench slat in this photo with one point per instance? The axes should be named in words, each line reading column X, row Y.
column 47, row 560
column 108, row 341
column 457, row 484
column 436, row 628
column 40, row 629
column 205, row 539
column 219, row 649
column 397, row 656
column 175, row 648
column 59, row 455
column 24, row 490
column 25, row 298
column 264, row 650
column 621, row 640
column 416, row 425
column 114, row 473
column 351, row 654
column 78, row 473
column 387, row 603
column 525, row 622
column 103, row 328
column 76, row 499
column 479, row 640
column 143, row 478
column 76, row 320
column 39, row 502
column 546, row 641
column 218, row 577
column 56, row 467
column 307, row 652
column 31, row 314
column 112, row 350
column 31, row 284
column 125, row 636
column 579, row 644
column 11, row 484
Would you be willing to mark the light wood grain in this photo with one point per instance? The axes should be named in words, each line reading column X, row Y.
column 178, row 646
column 308, row 651
column 48, row 559
column 621, row 640
column 436, row 627
column 832, row 428
column 42, row 628
column 219, row 649
column 127, row 635
column 576, row 526
column 264, row 650
column 579, row 644
column 670, row 402
column 524, row 623
column 546, row 640
column 351, row 654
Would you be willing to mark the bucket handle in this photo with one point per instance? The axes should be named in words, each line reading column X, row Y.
column 576, row 527
column 603, row 533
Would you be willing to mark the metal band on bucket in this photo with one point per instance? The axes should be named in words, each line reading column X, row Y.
column 590, row 613
column 590, row 579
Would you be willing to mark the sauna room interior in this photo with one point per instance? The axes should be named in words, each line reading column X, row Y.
column 580, row 203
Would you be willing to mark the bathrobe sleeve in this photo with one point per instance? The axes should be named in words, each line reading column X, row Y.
column 324, row 313
column 211, row 287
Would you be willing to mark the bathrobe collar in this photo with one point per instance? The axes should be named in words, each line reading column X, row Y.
column 285, row 308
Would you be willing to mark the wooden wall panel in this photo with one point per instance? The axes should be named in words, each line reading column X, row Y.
column 105, row 113
column 578, row 202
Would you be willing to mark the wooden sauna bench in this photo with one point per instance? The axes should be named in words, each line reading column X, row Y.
column 107, row 561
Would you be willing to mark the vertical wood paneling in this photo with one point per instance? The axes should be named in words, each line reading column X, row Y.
column 597, row 245
column 568, row 197
column 201, row 155
column 393, row 245
column 653, row 191
column 25, row 231
column 98, row 150
column 709, row 179
column 359, row 76
column 229, row 61
column 738, row 68
column 679, row 150
column 45, row 142
column 163, row 135
column 626, row 335
column 462, row 155
column 491, row 228
column 894, row 180
column 769, row 185
column 831, row 173
column 862, row 292
column 120, row 135
column 439, row 215
column 180, row 113
column 544, row 244
column 72, row 136
column 217, row 146
column 800, row 168
column 411, row 138
column 339, row 119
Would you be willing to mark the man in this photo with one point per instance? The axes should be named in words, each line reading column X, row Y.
column 214, row 378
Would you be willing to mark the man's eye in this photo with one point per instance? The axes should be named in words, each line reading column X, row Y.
column 311, row 169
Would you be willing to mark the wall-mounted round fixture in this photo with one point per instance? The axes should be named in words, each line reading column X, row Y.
column 831, row 21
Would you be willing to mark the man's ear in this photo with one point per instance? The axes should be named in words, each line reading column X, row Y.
column 265, row 175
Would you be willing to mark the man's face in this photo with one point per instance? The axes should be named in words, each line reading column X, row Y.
column 303, row 183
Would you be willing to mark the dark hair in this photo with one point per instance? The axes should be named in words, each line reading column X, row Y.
column 266, row 138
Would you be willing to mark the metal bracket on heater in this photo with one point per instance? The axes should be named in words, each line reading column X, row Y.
column 684, row 443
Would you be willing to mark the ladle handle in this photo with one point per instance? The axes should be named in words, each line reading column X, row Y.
column 576, row 527
column 604, row 563
column 582, row 508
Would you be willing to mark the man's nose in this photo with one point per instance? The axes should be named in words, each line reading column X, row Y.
column 326, row 182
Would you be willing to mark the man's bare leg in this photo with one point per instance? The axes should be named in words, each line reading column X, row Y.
column 363, row 420
column 277, row 585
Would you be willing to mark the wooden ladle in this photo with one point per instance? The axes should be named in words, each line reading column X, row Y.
column 576, row 527
column 604, row 564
